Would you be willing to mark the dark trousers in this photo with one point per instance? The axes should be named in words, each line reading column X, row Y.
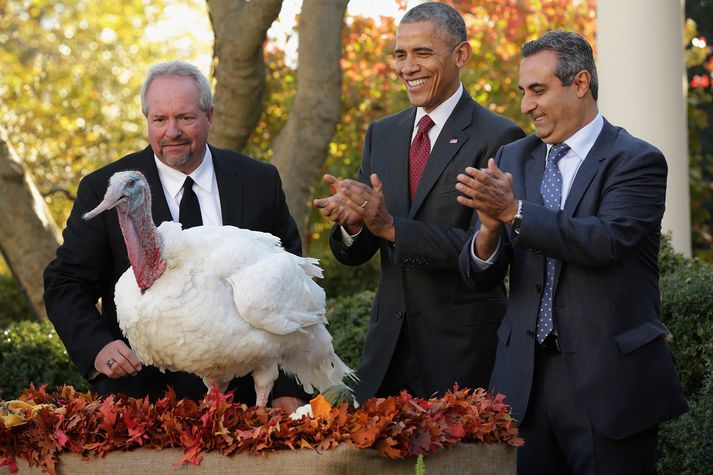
column 560, row 439
column 403, row 369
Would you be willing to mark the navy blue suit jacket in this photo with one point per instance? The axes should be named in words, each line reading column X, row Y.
column 606, row 301
column 93, row 257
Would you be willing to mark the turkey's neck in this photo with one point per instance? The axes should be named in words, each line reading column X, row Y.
column 143, row 245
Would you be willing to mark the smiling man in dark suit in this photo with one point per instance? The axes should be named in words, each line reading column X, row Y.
column 581, row 355
column 230, row 188
column 427, row 331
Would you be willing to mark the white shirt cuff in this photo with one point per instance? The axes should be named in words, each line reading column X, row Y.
column 479, row 263
column 348, row 239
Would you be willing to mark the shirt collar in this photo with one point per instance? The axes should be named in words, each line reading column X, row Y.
column 172, row 179
column 582, row 141
column 440, row 114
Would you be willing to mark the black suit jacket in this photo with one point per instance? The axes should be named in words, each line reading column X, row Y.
column 451, row 329
column 606, row 301
column 93, row 257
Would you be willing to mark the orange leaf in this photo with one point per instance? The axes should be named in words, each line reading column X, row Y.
column 386, row 448
column 365, row 436
column 320, row 407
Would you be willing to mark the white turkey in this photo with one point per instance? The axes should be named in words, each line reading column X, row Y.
column 218, row 301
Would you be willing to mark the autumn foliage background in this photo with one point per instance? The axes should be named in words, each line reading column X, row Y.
column 72, row 71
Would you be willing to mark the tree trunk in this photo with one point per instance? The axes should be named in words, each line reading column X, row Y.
column 240, row 28
column 301, row 147
column 28, row 235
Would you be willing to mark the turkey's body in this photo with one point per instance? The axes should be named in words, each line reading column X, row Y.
column 219, row 301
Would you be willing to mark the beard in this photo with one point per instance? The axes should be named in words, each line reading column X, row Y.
column 177, row 158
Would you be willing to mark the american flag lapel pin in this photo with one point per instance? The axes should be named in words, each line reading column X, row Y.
column 454, row 140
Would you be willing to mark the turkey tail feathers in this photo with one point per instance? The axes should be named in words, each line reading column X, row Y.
column 322, row 376
column 310, row 266
column 318, row 367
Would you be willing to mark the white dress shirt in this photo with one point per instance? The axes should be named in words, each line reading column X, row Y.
column 205, row 188
column 579, row 146
column 439, row 116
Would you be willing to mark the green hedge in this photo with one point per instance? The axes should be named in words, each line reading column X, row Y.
column 348, row 321
column 687, row 311
column 13, row 303
column 32, row 352
column 343, row 281
column 686, row 444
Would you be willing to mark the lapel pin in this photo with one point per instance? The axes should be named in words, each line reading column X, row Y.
column 454, row 140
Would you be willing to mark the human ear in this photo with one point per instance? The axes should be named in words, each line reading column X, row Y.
column 582, row 81
column 463, row 52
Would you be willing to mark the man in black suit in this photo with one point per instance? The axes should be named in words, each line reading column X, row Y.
column 574, row 211
column 231, row 188
column 427, row 331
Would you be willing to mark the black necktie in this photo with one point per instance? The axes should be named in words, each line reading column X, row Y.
column 189, row 212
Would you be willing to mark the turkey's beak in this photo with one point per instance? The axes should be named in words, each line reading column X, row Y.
column 113, row 198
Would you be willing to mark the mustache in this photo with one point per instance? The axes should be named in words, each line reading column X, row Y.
column 163, row 143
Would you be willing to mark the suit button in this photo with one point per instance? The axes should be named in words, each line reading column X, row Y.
column 399, row 315
column 530, row 333
column 538, row 288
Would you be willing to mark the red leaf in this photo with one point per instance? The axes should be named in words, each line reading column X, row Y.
column 61, row 438
column 455, row 430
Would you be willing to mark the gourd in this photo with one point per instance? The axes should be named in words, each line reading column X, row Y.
column 338, row 394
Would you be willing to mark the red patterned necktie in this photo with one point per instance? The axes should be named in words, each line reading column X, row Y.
column 418, row 154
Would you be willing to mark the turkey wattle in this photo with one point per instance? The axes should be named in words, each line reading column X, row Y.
column 218, row 301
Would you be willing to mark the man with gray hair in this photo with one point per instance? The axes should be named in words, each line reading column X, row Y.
column 574, row 213
column 191, row 182
column 427, row 330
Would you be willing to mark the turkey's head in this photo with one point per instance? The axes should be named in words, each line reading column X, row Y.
column 130, row 194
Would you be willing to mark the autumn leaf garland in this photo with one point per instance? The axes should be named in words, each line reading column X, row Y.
column 397, row 427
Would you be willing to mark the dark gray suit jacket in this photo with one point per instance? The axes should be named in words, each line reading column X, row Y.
column 606, row 302
column 93, row 257
column 451, row 328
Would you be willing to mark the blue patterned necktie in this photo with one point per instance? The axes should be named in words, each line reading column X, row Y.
column 551, row 189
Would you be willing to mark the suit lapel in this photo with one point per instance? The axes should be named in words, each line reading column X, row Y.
column 589, row 168
column 534, row 170
column 230, row 188
column 396, row 195
column 449, row 141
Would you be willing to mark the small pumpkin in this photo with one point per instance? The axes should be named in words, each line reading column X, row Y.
column 338, row 394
